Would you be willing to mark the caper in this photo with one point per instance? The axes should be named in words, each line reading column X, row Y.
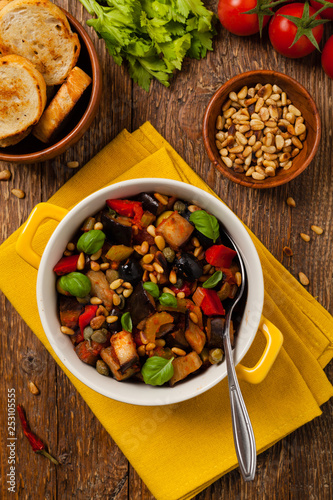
column 179, row 283
column 112, row 275
column 87, row 332
column 83, row 300
column 99, row 336
column 169, row 254
column 179, row 206
column 215, row 356
column 102, row 367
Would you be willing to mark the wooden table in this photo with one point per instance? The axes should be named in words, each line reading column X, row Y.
column 299, row 466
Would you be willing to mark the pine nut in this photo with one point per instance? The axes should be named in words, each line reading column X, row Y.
column 181, row 295
column 227, row 161
column 317, row 229
column 81, row 262
column 288, row 165
column 116, row 284
column 98, row 226
column 193, row 317
column 104, row 266
column 193, row 208
column 141, row 350
column 258, row 177
column 148, row 267
column 72, row 164
column 159, row 242
column 162, row 199
column 144, row 247
column 303, row 279
column 66, row 330
column 127, row 292
column 270, row 171
column 111, row 319
column 95, row 301
column 152, row 278
column 178, row 352
column 18, row 193
column 168, row 290
column 291, row 202
column 305, row 237
column 116, row 299
column 5, row 175
column 249, row 172
column 158, row 268
column 219, row 123
column 96, row 256
column 151, row 230
column 33, row 388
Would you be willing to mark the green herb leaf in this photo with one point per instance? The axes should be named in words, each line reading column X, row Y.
column 76, row 284
column 206, row 224
column 213, row 280
column 157, row 370
column 167, row 299
column 152, row 288
column 91, row 241
column 126, row 322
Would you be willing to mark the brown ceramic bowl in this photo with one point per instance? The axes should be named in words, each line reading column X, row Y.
column 298, row 96
column 31, row 150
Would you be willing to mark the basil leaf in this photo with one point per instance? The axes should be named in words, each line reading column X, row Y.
column 167, row 299
column 76, row 284
column 206, row 224
column 213, row 280
column 157, row 370
column 126, row 322
column 91, row 241
column 152, row 288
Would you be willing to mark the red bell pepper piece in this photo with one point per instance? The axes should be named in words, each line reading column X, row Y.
column 127, row 208
column 185, row 289
column 88, row 314
column 209, row 302
column 66, row 265
column 220, row 256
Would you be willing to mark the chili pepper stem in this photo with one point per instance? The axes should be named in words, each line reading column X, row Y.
column 47, row 455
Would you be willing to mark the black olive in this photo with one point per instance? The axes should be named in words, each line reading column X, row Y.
column 189, row 267
column 131, row 271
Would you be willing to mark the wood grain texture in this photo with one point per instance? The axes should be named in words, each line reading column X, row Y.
column 92, row 466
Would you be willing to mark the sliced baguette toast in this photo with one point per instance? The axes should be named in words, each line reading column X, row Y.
column 22, row 98
column 3, row 3
column 62, row 104
column 39, row 31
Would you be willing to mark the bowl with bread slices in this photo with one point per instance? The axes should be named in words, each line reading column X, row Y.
column 50, row 81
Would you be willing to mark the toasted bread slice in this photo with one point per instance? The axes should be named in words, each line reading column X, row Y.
column 22, row 98
column 62, row 104
column 39, row 31
column 3, row 3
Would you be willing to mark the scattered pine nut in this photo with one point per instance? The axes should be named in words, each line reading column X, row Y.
column 151, row 230
column 94, row 266
column 96, row 256
column 141, row 350
column 180, row 295
column 238, row 278
column 18, row 193
column 73, row 164
column 98, row 225
column 116, row 300
column 162, row 199
column 317, row 229
column 5, row 175
column 168, row 290
column 111, row 319
column 173, row 277
column 116, row 284
column 81, row 262
column 305, row 237
column 193, row 317
column 33, row 388
column 179, row 352
column 303, row 279
column 70, row 246
column 288, row 251
column 160, row 242
column 104, row 266
column 150, row 346
column 127, row 292
column 291, row 202
column 95, row 301
column 148, row 258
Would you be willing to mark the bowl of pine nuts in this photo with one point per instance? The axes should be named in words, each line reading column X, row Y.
column 261, row 129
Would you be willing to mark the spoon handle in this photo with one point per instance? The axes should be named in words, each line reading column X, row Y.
column 242, row 429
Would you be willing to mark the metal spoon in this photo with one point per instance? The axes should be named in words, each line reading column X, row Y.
column 244, row 440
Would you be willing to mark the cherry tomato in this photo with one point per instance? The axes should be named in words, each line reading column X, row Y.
column 327, row 13
column 232, row 17
column 327, row 57
column 282, row 32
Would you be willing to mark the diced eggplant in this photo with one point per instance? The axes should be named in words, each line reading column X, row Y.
column 109, row 357
column 154, row 323
column 70, row 310
column 125, row 350
column 131, row 271
column 88, row 352
column 176, row 230
column 184, row 365
column 215, row 327
column 181, row 307
column 164, row 330
column 177, row 339
column 161, row 260
column 189, row 267
column 150, row 203
column 140, row 304
column 195, row 336
column 118, row 230
column 100, row 287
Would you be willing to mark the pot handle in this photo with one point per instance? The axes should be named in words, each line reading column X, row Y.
column 41, row 212
column 274, row 340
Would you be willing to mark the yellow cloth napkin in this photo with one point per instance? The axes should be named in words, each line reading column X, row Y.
column 178, row 450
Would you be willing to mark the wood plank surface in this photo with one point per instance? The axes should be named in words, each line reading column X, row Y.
column 92, row 466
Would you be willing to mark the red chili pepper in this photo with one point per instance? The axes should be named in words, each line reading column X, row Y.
column 126, row 208
column 66, row 265
column 185, row 288
column 209, row 302
column 220, row 256
column 88, row 314
column 37, row 445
